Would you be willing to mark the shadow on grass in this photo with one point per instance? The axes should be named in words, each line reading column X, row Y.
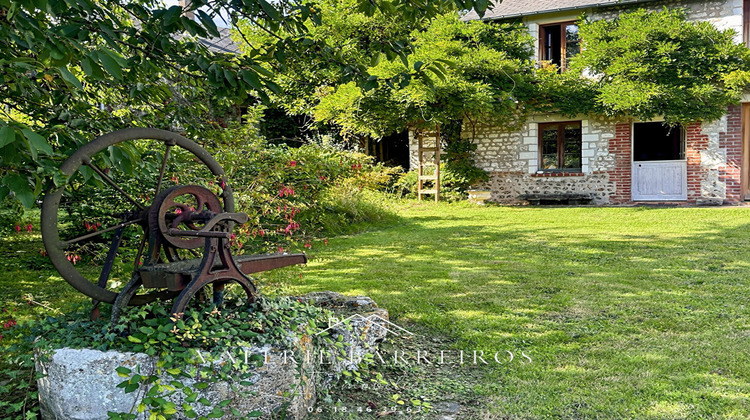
column 626, row 312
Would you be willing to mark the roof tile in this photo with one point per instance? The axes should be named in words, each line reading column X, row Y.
column 517, row 8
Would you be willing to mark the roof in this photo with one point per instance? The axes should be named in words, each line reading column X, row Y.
column 517, row 8
column 222, row 44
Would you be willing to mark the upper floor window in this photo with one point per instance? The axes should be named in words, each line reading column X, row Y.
column 559, row 42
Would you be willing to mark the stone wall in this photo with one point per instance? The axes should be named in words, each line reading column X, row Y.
column 714, row 155
column 507, row 187
column 713, row 152
column 512, row 159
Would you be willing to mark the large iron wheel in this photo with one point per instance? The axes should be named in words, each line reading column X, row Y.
column 116, row 177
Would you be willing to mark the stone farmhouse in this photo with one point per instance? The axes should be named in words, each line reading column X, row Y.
column 614, row 162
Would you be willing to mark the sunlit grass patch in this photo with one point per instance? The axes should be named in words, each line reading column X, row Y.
column 624, row 310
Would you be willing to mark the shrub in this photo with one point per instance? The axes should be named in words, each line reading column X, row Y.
column 298, row 195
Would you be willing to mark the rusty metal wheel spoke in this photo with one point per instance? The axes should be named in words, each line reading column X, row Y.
column 111, row 183
column 163, row 167
column 108, row 178
column 102, row 231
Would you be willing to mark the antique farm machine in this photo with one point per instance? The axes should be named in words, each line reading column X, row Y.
column 143, row 214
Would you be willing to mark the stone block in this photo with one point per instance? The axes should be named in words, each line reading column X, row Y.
column 590, row 138
column 713, row 159
column 81, row 384
column 528, row 155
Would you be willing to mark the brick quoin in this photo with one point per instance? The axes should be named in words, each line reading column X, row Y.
column 620, row 147
column 695, row 142
column 731, row 141
column 730, row 173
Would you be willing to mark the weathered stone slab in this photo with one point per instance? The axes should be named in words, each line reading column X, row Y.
column 359, row 323
column 81, row 384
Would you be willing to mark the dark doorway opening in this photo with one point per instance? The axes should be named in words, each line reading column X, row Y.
column 657, row 141
column 393, row 150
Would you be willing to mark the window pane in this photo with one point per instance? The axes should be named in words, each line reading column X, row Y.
column 549, row 148
column 552, row 43
column 572, row 42
column 572, row 141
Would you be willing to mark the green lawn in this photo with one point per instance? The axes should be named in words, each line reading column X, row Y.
column 625, row 312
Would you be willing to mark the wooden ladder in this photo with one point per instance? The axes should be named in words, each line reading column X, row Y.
column 430, row 149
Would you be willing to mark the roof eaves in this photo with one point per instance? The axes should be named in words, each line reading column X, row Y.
column 563, row 9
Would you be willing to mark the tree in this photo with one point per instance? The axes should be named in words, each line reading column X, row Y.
column 469, row 69
column 646, row 64
column 73, row 69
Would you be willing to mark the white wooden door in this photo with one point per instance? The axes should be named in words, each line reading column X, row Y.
column 659, row 180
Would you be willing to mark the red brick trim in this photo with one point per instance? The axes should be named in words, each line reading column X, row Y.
column 620, row 147
column 695, row 142
column 731, row 141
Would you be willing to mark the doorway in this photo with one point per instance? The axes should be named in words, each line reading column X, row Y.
column 659, row 164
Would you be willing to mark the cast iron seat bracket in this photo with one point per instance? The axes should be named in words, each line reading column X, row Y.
column 189, row 276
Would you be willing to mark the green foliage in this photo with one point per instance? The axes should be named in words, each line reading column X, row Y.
column 459, row 158
column 296, row 196
column 75, row 69
column 476, row 79
column 460, row 164
column 18, row 394
column 566, row 93
column 455, row 68
column 646, row 64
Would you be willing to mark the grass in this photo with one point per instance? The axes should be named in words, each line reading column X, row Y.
column 624, row 312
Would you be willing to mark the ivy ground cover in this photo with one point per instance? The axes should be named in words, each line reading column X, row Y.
column 624, row 312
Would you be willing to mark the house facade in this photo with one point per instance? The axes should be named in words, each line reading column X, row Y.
column 613, row 161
